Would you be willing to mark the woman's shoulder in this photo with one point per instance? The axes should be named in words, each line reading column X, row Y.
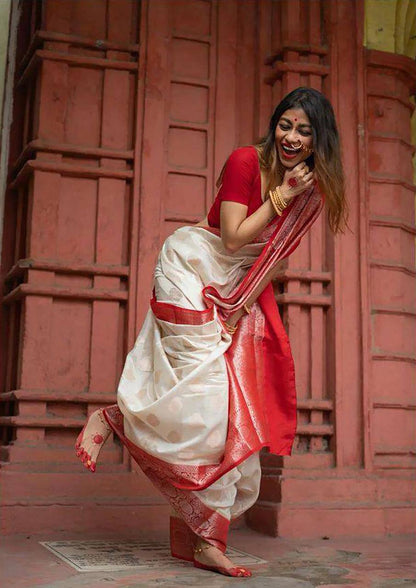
column 248, row 154
column 243, row 160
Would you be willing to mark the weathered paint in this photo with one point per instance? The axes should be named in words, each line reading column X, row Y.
column 390, row 26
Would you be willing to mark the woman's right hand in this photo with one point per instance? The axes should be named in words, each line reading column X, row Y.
column 304, row 178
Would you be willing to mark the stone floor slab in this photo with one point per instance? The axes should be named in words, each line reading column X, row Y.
column 353, row 562
column 116, row 556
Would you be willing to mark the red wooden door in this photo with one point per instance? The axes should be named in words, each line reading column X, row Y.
column 178, row 166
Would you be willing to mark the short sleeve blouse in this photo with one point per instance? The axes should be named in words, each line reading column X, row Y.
column 241, row 182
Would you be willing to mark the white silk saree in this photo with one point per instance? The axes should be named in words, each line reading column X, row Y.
column 195, row 403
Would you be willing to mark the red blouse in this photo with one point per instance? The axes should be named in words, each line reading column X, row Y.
column 241, row 183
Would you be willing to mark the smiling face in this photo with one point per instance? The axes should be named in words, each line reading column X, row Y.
column 292, row 131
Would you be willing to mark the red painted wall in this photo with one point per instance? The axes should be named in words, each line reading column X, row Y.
column 125, row 112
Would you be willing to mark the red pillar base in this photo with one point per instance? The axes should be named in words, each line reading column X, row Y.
column 335, row 504
column 99, row 504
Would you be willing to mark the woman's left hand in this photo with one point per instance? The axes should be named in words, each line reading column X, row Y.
column 297, row 180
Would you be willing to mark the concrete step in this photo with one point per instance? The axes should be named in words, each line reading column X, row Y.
column 109, row 519
column 53, row 454
column 349, row 488
column 303, row 461
column 75, row 466
column 76, row 488
column 337, row 520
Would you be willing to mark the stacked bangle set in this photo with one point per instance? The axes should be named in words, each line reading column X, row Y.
column 278, row 201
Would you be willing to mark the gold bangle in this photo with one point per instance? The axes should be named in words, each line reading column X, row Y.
column 278, row 200
column 283, row 203
column 247, row 308
column 274, row 202
column 230, row 329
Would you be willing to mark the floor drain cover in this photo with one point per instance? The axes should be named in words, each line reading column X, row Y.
column 112, row 556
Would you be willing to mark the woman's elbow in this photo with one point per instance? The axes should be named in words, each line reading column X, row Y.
column 230, row 246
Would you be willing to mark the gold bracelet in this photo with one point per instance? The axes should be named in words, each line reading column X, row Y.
column 274, row 202
column 247, row 308
column 280, row 198
column 230, row 329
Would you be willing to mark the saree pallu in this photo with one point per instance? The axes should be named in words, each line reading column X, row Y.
column 196, row 405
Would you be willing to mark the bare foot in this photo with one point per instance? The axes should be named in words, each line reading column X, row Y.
column 92, row 438
column 209, row 557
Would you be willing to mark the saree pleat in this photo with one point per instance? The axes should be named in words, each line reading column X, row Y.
column 196, row 405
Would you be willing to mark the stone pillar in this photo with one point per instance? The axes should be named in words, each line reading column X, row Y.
column 391, row 79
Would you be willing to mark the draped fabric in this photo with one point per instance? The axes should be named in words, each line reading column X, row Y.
column 195, row 403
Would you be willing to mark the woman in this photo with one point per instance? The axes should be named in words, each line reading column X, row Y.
column 210, row 380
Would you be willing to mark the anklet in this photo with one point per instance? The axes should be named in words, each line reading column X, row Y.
column 201, row 549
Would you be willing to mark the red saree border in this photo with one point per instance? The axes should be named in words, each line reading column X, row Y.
column 279, row 383
column 245, row 436
column 171, row 313
column 202, row 520
column 262, row 414
column 176, row 474
column 262, row 400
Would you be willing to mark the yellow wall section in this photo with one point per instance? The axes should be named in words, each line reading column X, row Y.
column 390, row 25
